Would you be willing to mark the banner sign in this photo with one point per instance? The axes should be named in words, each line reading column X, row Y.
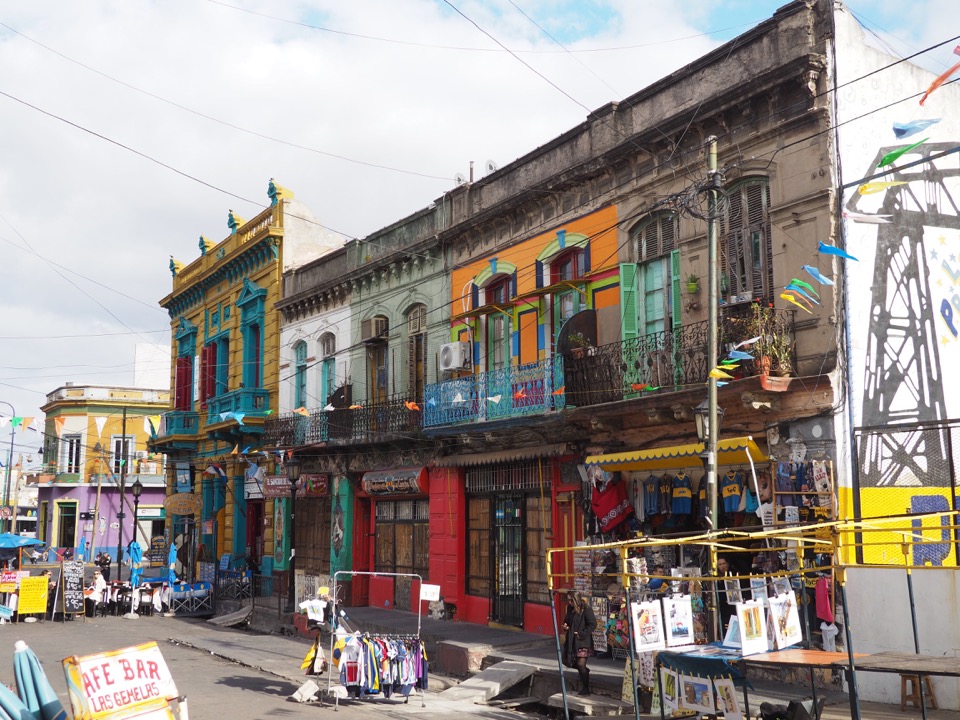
column 313, row 485
column 401, row 481
column 33, row 595
column 183, row 504
column 120, row 683
column 184, row 478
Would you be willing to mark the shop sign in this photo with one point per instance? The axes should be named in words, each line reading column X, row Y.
column 183, row 504
column 119, row 683
column 401, row 481
column 312, row 485
column 252, row 488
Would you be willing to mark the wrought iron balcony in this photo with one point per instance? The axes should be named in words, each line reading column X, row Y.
column 362, row 423
column 531, row 389
column 252, row 401
column 179, row 422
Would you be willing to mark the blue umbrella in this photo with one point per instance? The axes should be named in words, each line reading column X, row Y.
column 172, row 566
column 136, row 562
column 12, row 706
column 9, row 540
column 38, row 697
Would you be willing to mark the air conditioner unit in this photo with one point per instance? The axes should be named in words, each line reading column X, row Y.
column 455, row 356
column 373, row 328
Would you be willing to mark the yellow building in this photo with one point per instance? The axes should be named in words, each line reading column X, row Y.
column 225, row 376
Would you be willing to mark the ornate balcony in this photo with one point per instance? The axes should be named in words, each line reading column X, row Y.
column 252, row 401
column 389, row 418
column 179, row 422
column 531, row 389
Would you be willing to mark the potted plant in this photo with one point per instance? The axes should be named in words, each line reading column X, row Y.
column 693, row 283
column 578, row 344
column 774, row 348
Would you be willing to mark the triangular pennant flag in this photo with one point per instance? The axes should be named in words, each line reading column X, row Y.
column 458, row 398
column 36, row 426
column 495, row 399
column 26, row 422
column 751, row 341
column 16, row 420
column 793, row 288
column 905, row 130
column 739, row 355
column 146, row 426
column 225, row 415
column 302, row 411
column 795, row 294
column 432, row 402
column 100, row 421
column 718, row 373
column 865, row 218
column 123, row 462
column 651, row 388
column 938, row 82
column 727, row 365
column 58, row 423
column 892, row 156
column 268, row 412
column 356, row 407
column 155, row 423
column 328, row 407
column 791, row 299
column 246, row 450
column 638, row 387
column 560, row 390
column 239, row 416
column 3, row 422
column 831, row 250
column 871, row 188
column 721, row 383
column 411, row 405
column 236, row 449
column 520, row 394
column 807, row 286
column 815, row 274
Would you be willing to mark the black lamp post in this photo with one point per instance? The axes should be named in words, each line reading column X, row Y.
column 136, row 489
column 293, row 475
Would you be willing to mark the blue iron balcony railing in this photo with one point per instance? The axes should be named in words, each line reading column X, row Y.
column 252, row 401
column 532, row 389
column 180, row 422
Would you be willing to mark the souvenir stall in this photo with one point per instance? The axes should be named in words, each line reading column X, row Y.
column 372, row 665
column 767, row 628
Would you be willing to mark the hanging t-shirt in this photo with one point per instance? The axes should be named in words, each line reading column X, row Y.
column 666, row 493
column 731, row 487
column 651, row 496
column 702, row 498
column 682, row 494
column 785, row 485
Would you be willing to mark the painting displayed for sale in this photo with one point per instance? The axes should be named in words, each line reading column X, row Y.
column 785, row 620
column 752, row 618
column 696, row 693
column 678, row 613
column 727, row 701
column 648, row 631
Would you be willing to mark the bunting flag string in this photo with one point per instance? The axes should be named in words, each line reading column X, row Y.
column 831, row 250
column 791, row 299
column 815, row 274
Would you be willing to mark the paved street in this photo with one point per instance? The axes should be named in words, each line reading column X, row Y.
column 255, row 682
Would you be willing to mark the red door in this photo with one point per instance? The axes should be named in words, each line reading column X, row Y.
column 254, row 532
column 362, row 547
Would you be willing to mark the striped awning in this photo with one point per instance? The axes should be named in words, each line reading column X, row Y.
column 502, row 456
column 729, row 452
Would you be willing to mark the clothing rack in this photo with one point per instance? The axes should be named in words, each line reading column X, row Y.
column 335, row 621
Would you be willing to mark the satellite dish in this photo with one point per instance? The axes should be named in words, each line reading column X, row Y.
column 459, row 178
column 491, row 166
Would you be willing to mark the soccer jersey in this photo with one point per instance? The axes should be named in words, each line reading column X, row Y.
column 682, row 494
column 731, row 487
column 784, row 484
column 651, row 500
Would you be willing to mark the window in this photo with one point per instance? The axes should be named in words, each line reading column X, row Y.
column 252, row 356
column 121, row 449
column 746, row 253
column 183, row 384
column 479, row 560
column 656, row 239
column 251, row 303
column 417, row 351
column 498, row 293
column 69, row 461
column 328, row 366
column 498, row 339
column 214, row 368
column 300, row 375
column 568, row 266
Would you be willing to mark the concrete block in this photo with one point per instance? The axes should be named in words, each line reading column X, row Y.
column 460, row 659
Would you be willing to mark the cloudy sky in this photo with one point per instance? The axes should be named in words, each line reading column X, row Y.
column 130, row 127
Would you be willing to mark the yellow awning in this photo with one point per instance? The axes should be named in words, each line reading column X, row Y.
column 729, row 452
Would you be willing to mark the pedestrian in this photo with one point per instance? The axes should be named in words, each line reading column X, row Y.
column 579, row 624
column 103, row 562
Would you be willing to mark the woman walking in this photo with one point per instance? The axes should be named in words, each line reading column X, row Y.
column 579, row 624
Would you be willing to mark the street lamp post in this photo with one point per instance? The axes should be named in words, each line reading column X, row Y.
column 136, row 489
column 293, row 475
column 123, row 487
column 6, row 481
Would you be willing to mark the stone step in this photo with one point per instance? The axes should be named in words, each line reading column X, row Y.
column 592, row 704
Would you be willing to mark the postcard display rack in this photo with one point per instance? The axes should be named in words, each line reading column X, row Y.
column 338, row 621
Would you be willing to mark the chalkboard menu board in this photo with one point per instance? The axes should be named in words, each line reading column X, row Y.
column 71, row 580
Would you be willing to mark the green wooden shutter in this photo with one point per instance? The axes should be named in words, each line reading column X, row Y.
column 628, row 300
column 676, row 301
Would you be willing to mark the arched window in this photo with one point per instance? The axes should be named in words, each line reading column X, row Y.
column 656, row 242
column 375, row 336
column 328, row 366
column 300, row 375
column 746, row 252
column 416, row 351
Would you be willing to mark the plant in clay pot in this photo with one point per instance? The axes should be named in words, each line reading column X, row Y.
column 693, row 283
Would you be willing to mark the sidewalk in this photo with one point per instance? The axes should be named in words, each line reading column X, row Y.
column 280, row 655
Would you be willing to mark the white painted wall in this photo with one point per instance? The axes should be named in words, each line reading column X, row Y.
column 336, row 321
